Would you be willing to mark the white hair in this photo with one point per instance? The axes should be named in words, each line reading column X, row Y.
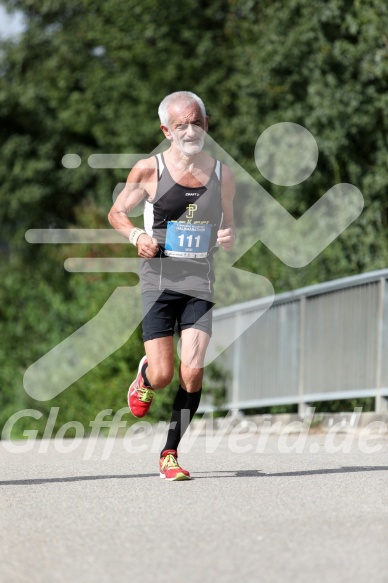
column 178, row 96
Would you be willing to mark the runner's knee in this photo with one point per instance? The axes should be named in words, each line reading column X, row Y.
column 160, row 376
column 191, row 378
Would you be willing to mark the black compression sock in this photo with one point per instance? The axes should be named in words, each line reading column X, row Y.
column 144, row 375
column 183, row 410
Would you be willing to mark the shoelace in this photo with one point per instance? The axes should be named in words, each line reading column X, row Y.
column 170, row 462
column 145, row 394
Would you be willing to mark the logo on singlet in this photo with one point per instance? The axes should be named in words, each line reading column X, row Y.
column 191, row 210
column 192, row 194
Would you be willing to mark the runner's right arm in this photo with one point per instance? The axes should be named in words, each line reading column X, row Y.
column 132, row 194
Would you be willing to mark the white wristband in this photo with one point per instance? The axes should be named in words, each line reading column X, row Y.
column 135, row 234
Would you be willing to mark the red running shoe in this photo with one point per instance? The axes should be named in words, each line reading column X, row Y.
column 169, row 467
column 139, row 396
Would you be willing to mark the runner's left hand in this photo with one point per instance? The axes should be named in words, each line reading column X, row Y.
column 226, row 238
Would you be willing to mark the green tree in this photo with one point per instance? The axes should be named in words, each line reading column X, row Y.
column 323, row 65
column 86, row 77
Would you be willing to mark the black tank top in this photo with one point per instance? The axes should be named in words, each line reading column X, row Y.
column 185, row 222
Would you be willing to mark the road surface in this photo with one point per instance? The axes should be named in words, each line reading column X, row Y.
column 98, row 512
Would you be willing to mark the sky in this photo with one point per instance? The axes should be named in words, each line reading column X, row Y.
column 10, row 24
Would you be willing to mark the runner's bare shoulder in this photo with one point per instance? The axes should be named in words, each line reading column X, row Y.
column 144, row 174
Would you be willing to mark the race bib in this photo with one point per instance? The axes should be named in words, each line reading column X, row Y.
column 187, row 240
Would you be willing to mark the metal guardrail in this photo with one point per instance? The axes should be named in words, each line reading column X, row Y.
column 323, row 342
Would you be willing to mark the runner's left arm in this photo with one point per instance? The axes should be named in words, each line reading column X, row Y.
column 226, row 236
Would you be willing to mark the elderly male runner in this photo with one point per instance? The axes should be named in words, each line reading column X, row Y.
column 188, row 213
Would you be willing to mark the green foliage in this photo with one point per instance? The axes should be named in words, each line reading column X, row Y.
column 344, row 406
column 323, row 65
column 87, row 77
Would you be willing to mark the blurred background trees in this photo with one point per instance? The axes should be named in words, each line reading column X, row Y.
column 87, row 76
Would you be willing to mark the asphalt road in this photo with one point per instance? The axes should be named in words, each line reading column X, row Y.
column 260, row 515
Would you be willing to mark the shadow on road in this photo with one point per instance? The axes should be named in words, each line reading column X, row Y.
column 211, row 475
column 71, row 479
column 259, row 474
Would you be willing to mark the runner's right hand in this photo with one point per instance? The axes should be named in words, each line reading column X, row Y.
column 147, row 246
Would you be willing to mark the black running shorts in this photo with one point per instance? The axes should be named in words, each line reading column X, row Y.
column 167, row 311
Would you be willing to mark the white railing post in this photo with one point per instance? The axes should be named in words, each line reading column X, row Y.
column 302, row 330
column 381, row 403
column 237, row 362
